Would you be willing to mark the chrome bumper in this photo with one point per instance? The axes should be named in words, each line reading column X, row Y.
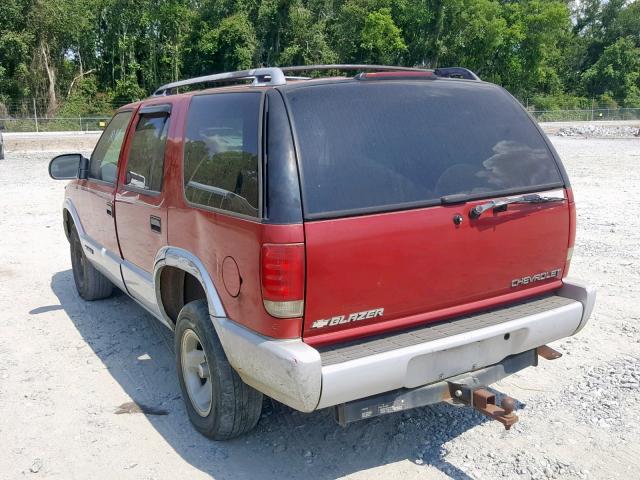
column 293, row 373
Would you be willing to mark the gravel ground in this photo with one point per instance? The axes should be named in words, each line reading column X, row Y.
column 67, row 365
column 599, row 131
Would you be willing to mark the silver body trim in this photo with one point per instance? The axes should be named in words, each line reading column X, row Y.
column 140, row 287
column 583, row 293
column 429, row 362
column 291, row 371
column 185, row 260
column 105, row 261
column 71, row 208
column 288, row 371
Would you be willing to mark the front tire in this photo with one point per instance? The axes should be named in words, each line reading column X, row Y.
column 90, row 283
column 219, row 404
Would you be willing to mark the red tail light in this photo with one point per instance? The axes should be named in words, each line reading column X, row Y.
column 572, row 230
column 283, row 279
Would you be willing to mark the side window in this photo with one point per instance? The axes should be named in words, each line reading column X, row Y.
column 146, row 155
column 104, row 159
column 221, row 152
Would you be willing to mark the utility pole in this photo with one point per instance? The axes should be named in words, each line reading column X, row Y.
column 35, row 113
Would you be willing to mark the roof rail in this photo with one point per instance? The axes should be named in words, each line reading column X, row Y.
column 456, row 72
column 274, row 76
column 446, row 72
column 260, row 76
column 388, row 68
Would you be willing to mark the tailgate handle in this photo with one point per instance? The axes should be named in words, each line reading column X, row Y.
column 155, row 224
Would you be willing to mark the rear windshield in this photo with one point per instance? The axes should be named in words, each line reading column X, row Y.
column 367, row 147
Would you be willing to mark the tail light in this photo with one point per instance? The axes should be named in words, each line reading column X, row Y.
column 572, row 230
column 282, row 274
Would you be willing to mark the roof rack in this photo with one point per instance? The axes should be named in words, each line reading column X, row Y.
column 456, row 72
column 351, row 67
column 445, row 72
column 274, row 76
column 261, row 76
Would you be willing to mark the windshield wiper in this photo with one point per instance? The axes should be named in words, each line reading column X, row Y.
column 478, row 210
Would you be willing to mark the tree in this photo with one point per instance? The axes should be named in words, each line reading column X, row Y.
column 305, row 40
column 348, row 37
column 270, row 26
column 381, row 39
column 15, row 50
column 534, row 31
column 476, row 31
column 53, row 49
column 616, row 73
column 231, row 45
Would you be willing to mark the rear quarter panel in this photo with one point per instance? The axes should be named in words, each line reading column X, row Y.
column 213, row 235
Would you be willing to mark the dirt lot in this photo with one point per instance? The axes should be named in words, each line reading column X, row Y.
column 66, row 366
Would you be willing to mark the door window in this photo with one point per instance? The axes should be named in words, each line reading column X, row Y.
column 104, row 160
column 221, row 152
column 146, row 156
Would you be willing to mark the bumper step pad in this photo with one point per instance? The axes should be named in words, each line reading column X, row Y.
column 344, row 352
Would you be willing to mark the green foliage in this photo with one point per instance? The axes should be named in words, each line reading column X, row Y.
column 88, row 56
column 558, row 102
column 86, row 100
column 607, row 101
column 477, row 32
column 381, row 39
column 305, row 39
column 127, row 90
column 231, row 45
column 617, row 71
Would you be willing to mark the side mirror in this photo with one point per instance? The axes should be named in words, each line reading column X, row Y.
column 68, row 167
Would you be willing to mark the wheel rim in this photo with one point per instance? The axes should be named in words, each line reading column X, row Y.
column 195, row 372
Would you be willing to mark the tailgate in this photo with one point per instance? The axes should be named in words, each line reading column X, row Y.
column 389, row 172
column 407, row 265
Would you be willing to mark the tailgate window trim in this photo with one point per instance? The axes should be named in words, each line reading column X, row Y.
column 333, row 214
column 430, row 203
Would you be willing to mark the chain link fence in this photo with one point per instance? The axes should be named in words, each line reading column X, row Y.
column 55, row 124
column 97, row 123
column 586, row 115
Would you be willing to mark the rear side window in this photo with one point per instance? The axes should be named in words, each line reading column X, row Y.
column 146, row 155
column 368, row 146
column 221, row 152
column 104, row 159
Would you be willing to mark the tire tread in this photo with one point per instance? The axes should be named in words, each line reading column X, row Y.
column 94, row 286
column 236, row 406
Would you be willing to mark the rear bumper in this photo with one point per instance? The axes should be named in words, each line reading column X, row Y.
column 306, row 379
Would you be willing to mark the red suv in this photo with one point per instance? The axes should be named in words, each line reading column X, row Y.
column 370, row 243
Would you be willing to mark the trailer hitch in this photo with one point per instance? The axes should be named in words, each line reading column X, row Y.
column 465, row 389
column 485, row 402
column 548, row 353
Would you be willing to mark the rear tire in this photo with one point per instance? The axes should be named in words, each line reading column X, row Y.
column 220, row 405
column 90, row 283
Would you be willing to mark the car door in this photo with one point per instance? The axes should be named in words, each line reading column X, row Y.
column 95, row 195
column 141, row 214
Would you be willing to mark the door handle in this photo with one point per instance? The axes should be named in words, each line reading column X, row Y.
column 155, row 224
column 110, row 209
